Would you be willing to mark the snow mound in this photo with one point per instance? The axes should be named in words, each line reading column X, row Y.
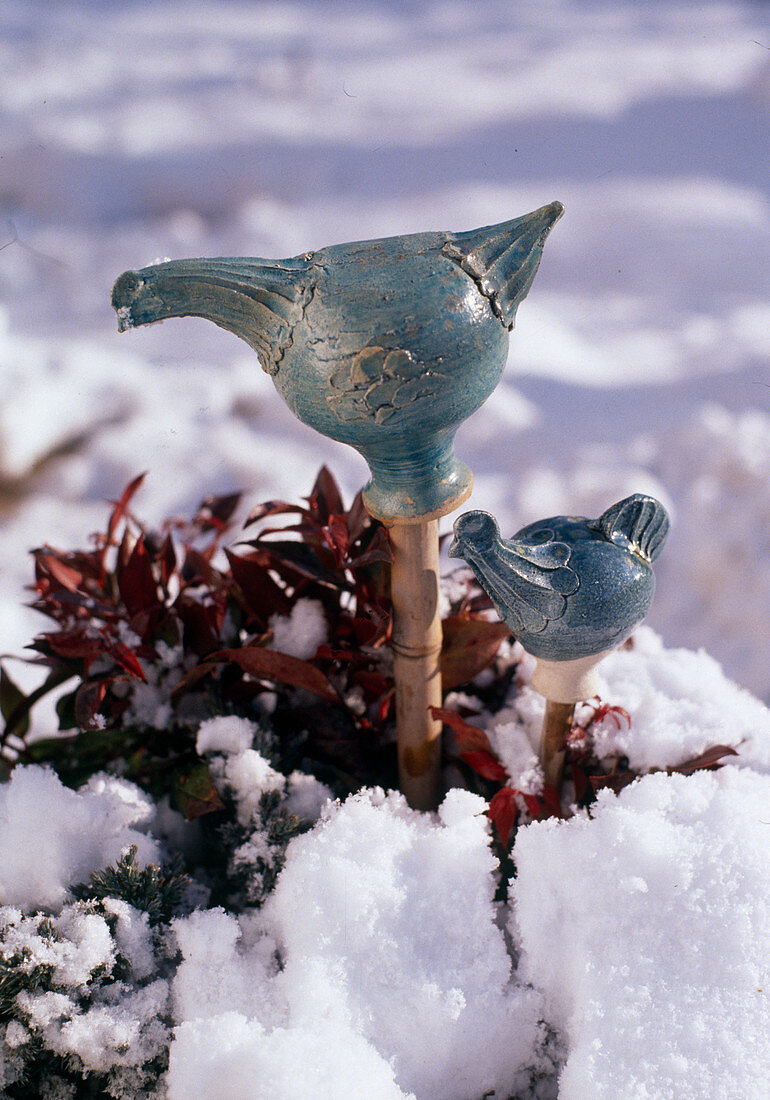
column 369, row 903
column 647, row 927
column 681, row 704
column 68, row 833
column 387, row 987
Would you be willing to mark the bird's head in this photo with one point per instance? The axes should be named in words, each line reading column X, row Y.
column 475, row 531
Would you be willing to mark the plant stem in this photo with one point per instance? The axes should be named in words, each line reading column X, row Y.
column 417, row 659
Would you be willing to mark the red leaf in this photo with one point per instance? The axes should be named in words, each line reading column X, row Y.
column 336, row 535
column 269, row 664
column 706, row 759
column 470, row 645
column 214, row 512
column 580, row 779
column 468, row 738
column 127, row 659
column 135, row 580
column 167, row 560
column 374, row 684
column 487, row 765
column 325, row 496
column 296, row 557
column 121, row 506
column 76, row 646
column 533, row 805
column 88, row 698
column 262, row 595
column 503, row 811
column 614, row 782
column 68, row 578
column 195, row 793
column 551, row 801
column 274, row 508
column 357, row 518
column 201, row 622
column 378, row 550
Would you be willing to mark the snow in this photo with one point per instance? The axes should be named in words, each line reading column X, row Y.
column 630, row 961
column 79, row 832
column 225, row 735
column 300, row 633
column 647, row 927
column 380, row 965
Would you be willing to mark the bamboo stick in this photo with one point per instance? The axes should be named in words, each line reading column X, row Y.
column 556, row 726
column 416, row 644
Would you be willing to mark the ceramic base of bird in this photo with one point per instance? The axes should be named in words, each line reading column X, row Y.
column 571, row 590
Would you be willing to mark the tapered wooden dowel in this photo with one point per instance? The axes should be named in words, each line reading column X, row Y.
column 556, row 726
column 416, row 643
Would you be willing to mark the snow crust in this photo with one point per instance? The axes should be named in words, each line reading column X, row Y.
column 647, row 927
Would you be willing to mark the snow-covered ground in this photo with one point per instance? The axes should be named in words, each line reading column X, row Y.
column 140, row 130
column 631, row 961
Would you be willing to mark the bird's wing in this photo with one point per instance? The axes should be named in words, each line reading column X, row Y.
column 638, row 523
column 528, row 581
column 381, row 384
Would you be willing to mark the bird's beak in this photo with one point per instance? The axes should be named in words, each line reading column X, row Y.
column 454, row 550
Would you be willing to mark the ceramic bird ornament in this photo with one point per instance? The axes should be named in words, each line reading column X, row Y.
column 571, row 590
column 387, row 345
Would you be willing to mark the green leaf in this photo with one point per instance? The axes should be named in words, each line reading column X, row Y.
column 65, row 708
column 12, row 698
column 194, row 792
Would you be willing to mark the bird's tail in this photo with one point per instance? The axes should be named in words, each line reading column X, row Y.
column 503, row 259
column 258, row 300
column 638, row 523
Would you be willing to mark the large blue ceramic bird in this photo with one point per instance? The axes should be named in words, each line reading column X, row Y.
column 387, row 345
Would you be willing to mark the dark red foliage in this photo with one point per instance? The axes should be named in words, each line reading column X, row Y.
column 117, row 608
column 589, row 774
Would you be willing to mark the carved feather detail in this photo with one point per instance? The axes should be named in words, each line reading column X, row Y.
column 379, row 383
column 639, row 523
column 528, row 580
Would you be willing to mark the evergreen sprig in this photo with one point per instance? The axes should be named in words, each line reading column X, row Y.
column 154, row 890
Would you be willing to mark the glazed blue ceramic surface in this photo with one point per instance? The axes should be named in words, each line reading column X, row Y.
column 568, row 587
column 387, row 345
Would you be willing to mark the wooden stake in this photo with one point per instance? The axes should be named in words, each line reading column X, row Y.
column 417, row 659
column 556, row 725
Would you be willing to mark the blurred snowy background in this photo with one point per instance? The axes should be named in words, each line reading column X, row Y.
column 134, row 130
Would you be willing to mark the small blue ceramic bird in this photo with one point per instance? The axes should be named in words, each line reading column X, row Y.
column 387, row 345
column 568, row 587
